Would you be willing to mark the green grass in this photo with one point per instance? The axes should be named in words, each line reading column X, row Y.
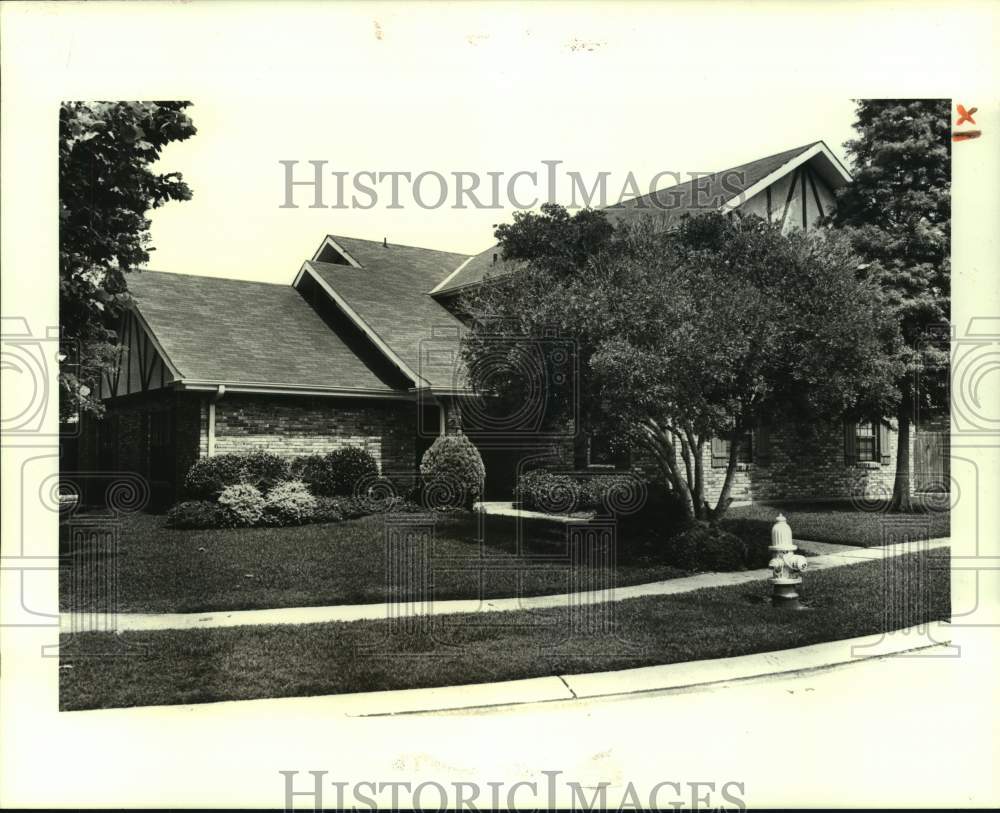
column 101, row 670
column 839, row 523
column 165, row 570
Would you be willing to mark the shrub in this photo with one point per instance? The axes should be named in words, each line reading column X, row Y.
column 702, row 546
column 290, row 503
column 244, row 503
column 453, row 473
column 400, row 505
column 264, row 469
column 315, row 471
column 613, row 493
column 347, row 468
column 756, row 534
column 209, row 476
column 661, row 513
column 541, row 490
column 198, row 514
column 329, row 509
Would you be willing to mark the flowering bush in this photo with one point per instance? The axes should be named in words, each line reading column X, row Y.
column 290, row 503
column 244, row 504
column 453, row 473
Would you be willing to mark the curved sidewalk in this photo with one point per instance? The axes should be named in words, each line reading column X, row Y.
column 830, row 556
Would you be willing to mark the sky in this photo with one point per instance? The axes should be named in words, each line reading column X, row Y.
column 397, row 93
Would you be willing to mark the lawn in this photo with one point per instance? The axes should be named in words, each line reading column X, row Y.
column 164, row 570
column 841, row 523
column 200, row 666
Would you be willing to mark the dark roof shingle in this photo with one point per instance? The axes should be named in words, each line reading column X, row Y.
column 390, row 294
column 240, row 332
column 668, row 204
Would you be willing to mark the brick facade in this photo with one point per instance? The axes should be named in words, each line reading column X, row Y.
column 160, row 435
column 803, row 464
column 290, row 426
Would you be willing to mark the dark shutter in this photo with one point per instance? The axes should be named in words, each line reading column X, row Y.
column 720, row 453
column 762, row 445
column 850, row 442
column 883, row 442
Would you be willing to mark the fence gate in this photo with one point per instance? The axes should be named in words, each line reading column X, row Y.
column 930, row 469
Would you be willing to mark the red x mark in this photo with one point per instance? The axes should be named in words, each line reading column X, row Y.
column 965, row 115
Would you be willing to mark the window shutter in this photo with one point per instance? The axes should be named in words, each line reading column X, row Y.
column 720, row 453
column 762, row 445
column 850, row 442
column 883, row 442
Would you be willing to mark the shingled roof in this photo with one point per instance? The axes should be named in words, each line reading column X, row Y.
column 668, row 205
column 388, row 293
column 239, row 332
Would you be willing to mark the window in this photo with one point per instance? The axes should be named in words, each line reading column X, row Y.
column 720, row 450
column 866, row 442
column 602, row 451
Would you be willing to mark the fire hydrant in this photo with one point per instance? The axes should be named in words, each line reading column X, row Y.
column 786, row 567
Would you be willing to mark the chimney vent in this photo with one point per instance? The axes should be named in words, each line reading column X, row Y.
column 385, row 242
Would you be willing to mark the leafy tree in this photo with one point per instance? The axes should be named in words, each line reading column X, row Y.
column 898, row 215
column 694, row 333
column 106, row 187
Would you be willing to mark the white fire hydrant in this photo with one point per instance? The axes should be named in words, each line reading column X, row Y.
column 786, row 566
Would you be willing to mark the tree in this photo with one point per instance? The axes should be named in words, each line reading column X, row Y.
column 898, row 215
column 106, row 187
column 695, row 333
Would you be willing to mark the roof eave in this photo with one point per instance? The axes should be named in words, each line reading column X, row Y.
column 836, row 175
column 358, row 322
column 268, row 388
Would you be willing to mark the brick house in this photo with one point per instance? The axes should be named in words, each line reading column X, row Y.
column 361, row 349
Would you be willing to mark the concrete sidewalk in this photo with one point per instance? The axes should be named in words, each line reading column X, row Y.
column 134, row 622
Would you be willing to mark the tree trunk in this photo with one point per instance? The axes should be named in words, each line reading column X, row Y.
column 662, row 447
column 699, row 477
column 722, row 504
column 901, row 487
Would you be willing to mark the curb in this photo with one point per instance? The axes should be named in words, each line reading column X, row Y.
column 925, row 640
column 917, row 641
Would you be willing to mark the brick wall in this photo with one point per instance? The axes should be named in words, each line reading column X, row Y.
column 804, row 463
column 291, row 426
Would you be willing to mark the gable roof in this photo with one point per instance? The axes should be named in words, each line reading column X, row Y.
column 388, row 296
column 424, row 266
column 216, row 330
column 727, row 188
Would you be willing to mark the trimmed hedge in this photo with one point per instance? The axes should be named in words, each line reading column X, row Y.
column 703, row 546
column 554, row 492
column 337, row 474
column 452, row 472
column 350, row 469
column 541, row 490
column 209, row 476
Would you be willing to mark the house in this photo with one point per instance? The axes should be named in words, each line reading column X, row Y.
column 362, row 349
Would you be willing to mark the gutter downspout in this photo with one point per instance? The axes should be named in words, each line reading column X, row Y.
column 211, row 418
